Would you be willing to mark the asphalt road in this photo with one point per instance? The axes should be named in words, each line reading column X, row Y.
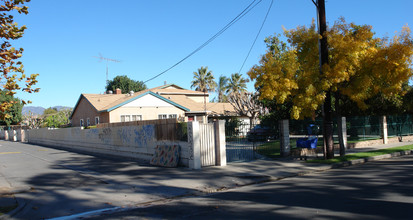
column 376, row 190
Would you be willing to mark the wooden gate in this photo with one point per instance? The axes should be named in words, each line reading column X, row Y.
column 207, row 138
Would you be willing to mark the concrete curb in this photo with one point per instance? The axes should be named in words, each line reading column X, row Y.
column 14, row 190
column 370, row 159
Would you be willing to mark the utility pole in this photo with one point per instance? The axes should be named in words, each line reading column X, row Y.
column 327, row 110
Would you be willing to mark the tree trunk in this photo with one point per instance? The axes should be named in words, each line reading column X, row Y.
column 251, row 122
column 328, row 127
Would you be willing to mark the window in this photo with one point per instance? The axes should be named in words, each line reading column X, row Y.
column 125, row 118
column 88, row 122
column 96, row 120
column 81, row 123
column 136, row 117
column 163, row 116
column 173, row 116
column 190, row 118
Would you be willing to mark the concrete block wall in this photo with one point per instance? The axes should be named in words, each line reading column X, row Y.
column 136, row 142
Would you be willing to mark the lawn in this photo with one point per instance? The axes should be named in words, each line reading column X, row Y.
column 361, row 155
column 6, row 209
column 271, row 149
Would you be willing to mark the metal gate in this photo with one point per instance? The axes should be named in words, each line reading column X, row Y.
column 207, row 138
column 247, row 143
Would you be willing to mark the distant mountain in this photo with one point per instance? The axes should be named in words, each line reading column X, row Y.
column 61, row 107
column 38, row 110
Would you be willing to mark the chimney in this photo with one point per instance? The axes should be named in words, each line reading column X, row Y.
column 118, row 91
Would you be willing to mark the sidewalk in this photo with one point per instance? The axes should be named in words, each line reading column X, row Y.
column 136, row 185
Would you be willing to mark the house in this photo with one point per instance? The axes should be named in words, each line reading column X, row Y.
column 168, row 101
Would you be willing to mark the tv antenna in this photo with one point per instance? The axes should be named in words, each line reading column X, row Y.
column 100, row 57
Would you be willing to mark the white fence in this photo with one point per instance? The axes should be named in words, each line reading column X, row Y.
column 207, row 138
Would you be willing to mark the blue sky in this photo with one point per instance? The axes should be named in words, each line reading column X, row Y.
column 150, row 36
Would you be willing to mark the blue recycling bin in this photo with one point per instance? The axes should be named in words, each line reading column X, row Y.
column 310, row 142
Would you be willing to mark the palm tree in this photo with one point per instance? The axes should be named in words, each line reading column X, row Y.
column 236, row 84
column 203, row 80
column 222, row 86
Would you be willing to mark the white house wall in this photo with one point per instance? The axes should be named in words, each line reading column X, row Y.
column 148, row 106
column 148, row 101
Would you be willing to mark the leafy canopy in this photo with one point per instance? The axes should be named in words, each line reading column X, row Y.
column 11, row 70
column 14, row 111
column 125, row 84
column 54, row 118
column 221, row 87
column 236, row 84
column 360, row 66
column 203, row 80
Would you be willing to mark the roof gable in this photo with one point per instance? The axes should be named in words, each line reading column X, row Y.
column 145, row 94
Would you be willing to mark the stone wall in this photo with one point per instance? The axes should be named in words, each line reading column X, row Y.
column 379, row 141
column 136, row 142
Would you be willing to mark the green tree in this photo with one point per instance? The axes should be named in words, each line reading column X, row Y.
column 203, row 80
column 236, row 84
column 49, row 111
column 407, row 101
column 11, row 69
column 360, row 67
column 125, row 84
column 221, row 89
column 14, row 111
column 55, row 119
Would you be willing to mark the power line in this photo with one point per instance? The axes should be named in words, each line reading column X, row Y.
column 256, row 37
column 233, row 21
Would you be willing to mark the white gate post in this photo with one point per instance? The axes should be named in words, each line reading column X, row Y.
column 194, row 145
column 220, row 148
column 14, row 135
column 284, row 138
column 342, row 134
column 384, row 129
column 6, row 135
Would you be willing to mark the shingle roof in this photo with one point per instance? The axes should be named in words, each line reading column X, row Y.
column 176, row 96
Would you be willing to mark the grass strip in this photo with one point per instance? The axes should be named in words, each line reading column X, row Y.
column 6, row 209
column 361, row 155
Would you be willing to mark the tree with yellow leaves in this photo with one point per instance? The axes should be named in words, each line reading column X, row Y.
column 11, row 69
column 360, row 66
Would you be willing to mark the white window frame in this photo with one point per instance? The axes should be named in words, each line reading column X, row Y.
column 126, row 118
column 173, row 116
column 88, row 122
column 137, row 117
column 162, row 116
column 82, row 122
column 97, row 120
